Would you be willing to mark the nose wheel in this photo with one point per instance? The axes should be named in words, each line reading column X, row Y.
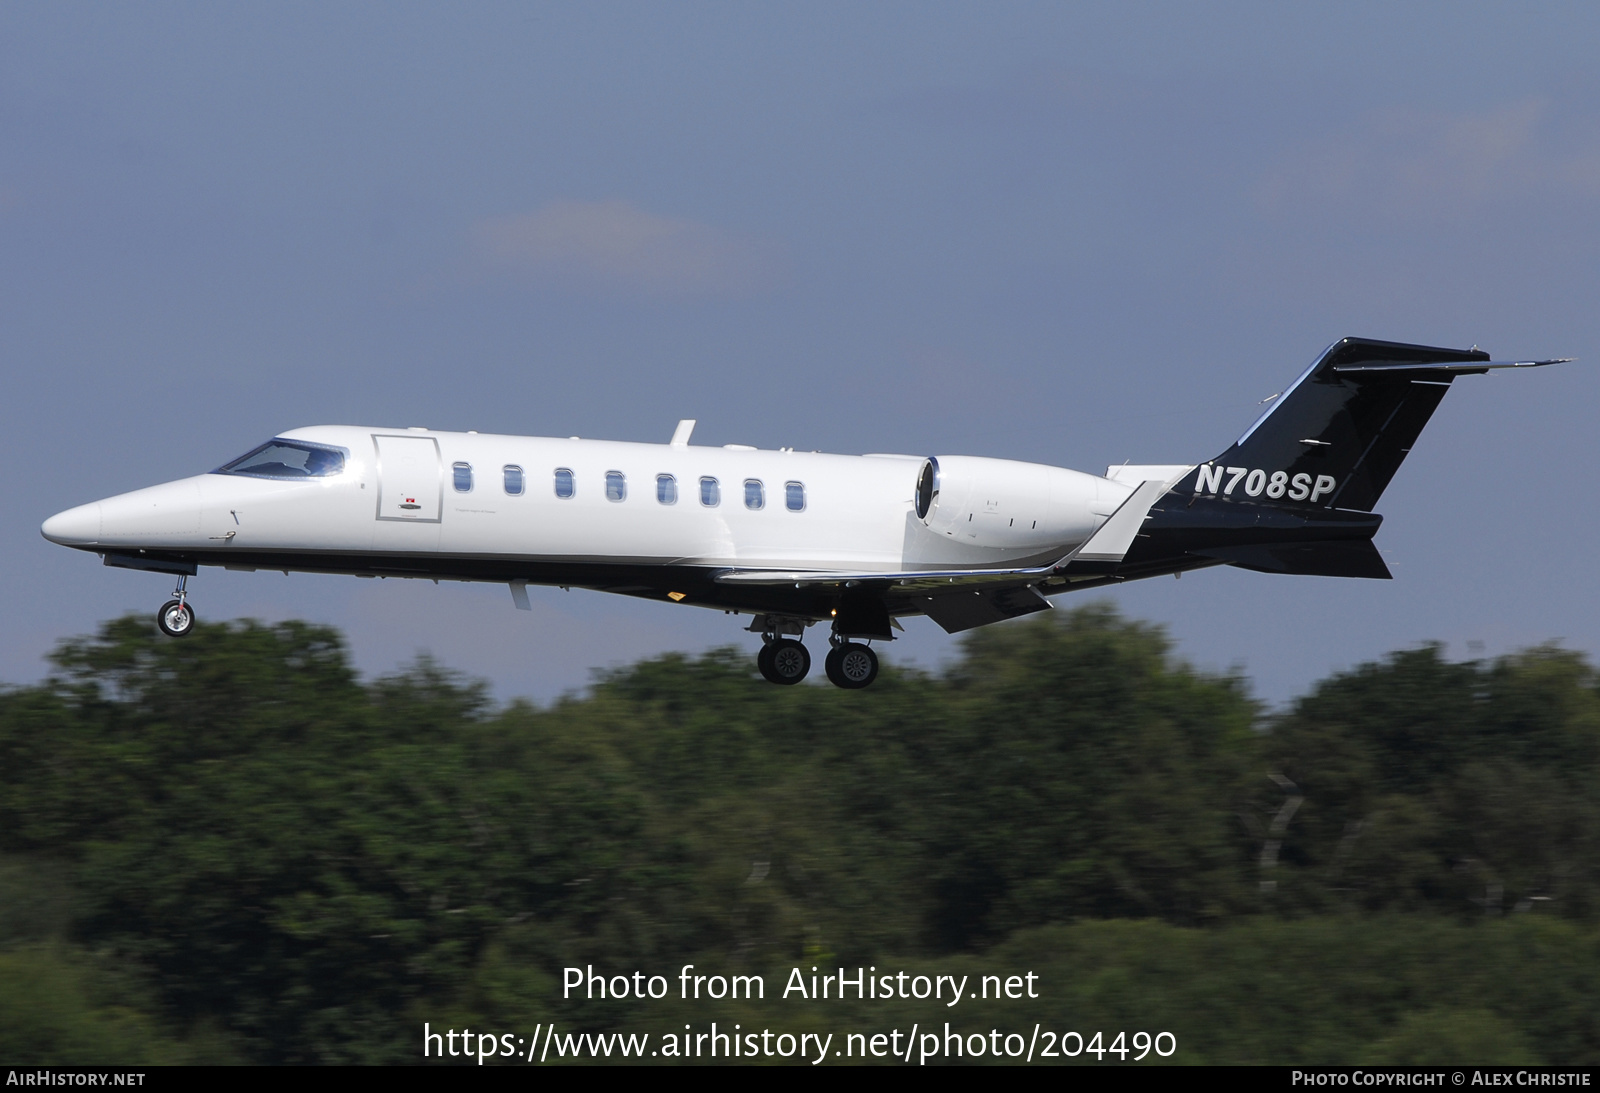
column 176, row 617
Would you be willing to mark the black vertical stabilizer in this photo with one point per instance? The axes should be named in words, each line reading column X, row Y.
column 1295, row 493
column 1337, row 435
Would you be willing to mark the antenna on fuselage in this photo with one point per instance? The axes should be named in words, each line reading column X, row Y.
column 680, row 435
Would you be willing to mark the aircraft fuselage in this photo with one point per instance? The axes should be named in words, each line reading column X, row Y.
column 794, row 538
column 644, row 519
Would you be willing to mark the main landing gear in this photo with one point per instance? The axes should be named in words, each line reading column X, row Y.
column 850, row 664
column 784, row 660
column 176, row 617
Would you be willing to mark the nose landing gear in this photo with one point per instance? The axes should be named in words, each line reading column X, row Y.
column 176, row 617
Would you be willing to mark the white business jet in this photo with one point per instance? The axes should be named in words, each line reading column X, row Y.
column 795, row 538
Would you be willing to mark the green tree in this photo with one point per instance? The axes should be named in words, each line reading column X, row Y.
column 1467, row 788
column 1078, row 771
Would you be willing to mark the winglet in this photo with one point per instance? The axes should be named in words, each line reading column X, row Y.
column 1111, row 542
column 680, row 435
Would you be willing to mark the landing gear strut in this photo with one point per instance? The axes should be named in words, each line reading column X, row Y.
column 850, row 664
column 782, row 659
column 176, row 617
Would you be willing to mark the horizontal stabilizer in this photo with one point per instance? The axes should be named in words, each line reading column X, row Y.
column 1459, row 368
column 1336, row 558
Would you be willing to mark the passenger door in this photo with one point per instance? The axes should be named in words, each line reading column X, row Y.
column 410, row 491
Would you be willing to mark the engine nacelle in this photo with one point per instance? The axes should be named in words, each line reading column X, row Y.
column 1012, row 507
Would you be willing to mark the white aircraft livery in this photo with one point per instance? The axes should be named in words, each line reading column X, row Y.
column 795, row 538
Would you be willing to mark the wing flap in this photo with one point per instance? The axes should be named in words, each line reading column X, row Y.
column 968, row 609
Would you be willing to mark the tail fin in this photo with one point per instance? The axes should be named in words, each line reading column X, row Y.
column 1309, row 471
column 1336, row 437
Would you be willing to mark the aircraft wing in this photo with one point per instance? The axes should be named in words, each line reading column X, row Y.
column 1107, row 546
column 956, row 599
column 912, row 580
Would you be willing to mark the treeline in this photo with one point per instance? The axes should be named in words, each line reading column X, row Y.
column 230, row 847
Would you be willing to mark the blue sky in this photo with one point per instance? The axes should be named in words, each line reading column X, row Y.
column 1077, row 234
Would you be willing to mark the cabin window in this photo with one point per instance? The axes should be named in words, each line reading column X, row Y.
column 287, row 459
column 666, row 489
column 710, row 493
column 794, row 496
column 513, row 479
column 755, row 496
column 616, row 486
column 461, row 476
column 566, row 486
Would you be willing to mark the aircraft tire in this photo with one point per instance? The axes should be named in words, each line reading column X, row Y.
column 764, row 663
column 852, row 666
column 176, row 618
column 788, row 661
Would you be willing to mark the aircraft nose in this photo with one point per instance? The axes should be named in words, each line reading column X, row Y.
column 75, row 527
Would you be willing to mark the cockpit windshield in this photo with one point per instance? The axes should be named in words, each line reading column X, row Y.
column 287, row 459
